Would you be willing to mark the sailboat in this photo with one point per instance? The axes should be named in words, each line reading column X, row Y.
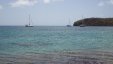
column 29, row 25
column 83, row 24
column 69, row 25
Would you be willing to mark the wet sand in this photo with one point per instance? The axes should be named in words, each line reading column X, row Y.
column 59, row 58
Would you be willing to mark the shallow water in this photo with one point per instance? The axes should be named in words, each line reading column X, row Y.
column 23, row 40
column 56, row 45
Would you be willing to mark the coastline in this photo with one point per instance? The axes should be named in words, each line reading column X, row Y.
column 59, row 58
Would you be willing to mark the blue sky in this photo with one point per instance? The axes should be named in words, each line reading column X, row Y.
column 52, row 12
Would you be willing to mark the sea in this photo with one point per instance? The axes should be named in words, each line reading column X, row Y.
column 20, row 40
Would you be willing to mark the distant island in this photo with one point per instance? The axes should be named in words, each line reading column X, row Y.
column 94, row 22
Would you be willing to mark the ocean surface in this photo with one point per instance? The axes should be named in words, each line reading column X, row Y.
column 47, row 39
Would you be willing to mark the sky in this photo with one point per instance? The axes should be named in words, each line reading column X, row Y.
column 52, row 12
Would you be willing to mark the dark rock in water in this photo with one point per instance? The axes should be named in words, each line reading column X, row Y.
column 94, row 22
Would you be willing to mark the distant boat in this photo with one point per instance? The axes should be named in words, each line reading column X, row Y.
column 69, row 25
column 82, row 25
column 29, row 25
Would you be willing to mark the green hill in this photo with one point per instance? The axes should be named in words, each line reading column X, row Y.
column 94, row 22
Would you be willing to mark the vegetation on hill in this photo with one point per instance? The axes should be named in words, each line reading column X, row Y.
column 94, row 22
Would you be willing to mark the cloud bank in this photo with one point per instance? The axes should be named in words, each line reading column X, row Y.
column 46, row 1
column 49, row 1
column 107, row 2
column 111, row 1
column 19, row 3
column 1, row 7
column 101, row 4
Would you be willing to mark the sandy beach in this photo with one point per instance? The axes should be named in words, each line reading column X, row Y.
column 59, row 58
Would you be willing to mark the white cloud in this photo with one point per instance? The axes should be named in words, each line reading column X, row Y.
column 111, row 1
column 19, row 3
column 1, row 7
column 57, row 0
column 46, row 1
column 49, row 1
column 101, row 4
column 107, row 2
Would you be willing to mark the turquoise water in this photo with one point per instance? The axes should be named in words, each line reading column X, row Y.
column 23, row 40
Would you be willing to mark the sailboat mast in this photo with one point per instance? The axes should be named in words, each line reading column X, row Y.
column 29, row 20
column 69, row 22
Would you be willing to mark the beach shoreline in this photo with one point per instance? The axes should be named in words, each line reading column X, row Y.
column 59, row 58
